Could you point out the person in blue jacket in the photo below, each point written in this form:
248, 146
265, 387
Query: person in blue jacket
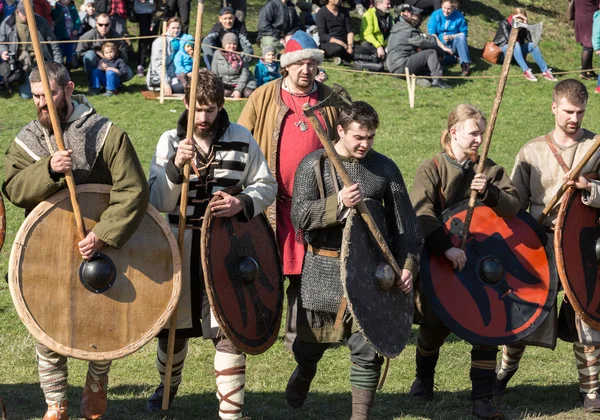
183, 60
596, 40
451, 28
267, 68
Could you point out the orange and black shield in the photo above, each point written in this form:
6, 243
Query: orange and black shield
577, 249
243, 276
508, 285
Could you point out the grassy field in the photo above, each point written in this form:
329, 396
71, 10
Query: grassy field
545, 387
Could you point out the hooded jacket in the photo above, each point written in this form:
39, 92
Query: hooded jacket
403, 42
183, 61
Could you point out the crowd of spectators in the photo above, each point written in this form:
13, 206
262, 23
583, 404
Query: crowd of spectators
390, 39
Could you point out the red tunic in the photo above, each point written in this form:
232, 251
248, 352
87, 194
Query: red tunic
294, 145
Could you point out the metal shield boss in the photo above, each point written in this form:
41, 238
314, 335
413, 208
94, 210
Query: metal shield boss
508, 285
67, 315
381, 311
243, 276
577, 249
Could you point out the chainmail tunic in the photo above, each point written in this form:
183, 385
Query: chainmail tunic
379, 179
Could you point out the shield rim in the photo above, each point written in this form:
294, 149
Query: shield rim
28, 320
451, 323
2, 222
343, 274
569, 198
205, 257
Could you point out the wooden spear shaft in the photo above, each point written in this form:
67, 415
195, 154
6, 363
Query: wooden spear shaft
490, 129
184, 198
572, 177
361, 206
39, 58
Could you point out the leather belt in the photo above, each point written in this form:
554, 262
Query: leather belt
331, 253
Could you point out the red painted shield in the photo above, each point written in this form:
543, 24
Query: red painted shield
244, 279
577, 252
508, 285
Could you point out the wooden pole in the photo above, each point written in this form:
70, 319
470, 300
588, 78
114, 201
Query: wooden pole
184, 198
572, 177
409, 88
490, 129
39, 58
413, 88
163, 67
361, 206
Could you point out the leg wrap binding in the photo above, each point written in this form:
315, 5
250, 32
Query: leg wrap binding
230, 372
52, 368
588, 367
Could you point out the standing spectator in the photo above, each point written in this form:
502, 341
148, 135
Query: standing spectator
409, 47
523, 46
232, 70
171, 82
335, 32
66, 27
90, 51
144, 9
228, 22
180, 8
7, 8
117, 11
277, 22
43, 8
375, 28
267, 68
184, 60
88, 17
239, 6
450, 27
109, 71
15, 29
596, 40
584, 20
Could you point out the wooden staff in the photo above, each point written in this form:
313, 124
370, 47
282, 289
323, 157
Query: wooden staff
490, 129
39, 58
163, 67
184, 198
572, 177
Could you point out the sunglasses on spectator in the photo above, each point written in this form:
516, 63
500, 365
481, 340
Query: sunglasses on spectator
103, 24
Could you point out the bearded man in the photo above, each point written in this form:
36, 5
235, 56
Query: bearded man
541, 168
224, 155
98, 153
274, 115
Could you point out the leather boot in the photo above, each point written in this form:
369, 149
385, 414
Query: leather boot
591, 403
362, 401
93, 404
299, 385
154, 403
57, 411
501, 384
422, 388
484, 409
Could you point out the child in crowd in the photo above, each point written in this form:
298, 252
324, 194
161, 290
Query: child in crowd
109, 72
596, 40
88, 16
66, 26
184, 59
267, 68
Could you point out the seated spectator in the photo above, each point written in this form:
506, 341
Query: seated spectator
184, 59
171, 82
239, 6
523, 46
88, 17
109, 72
7, 8
450, 27
143, 11
232, 70
21, 56
596, 41
227, 23
267, 68
308, 10
277, 22
409, 47
375, 28
66, 27
335, 32
90, 51
43, 8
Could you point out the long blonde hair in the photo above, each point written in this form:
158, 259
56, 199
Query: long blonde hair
459, 115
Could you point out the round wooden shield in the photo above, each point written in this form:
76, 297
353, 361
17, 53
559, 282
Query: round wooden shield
243, 276
383, 316
60, 312
2, 222
508, 285
577, 249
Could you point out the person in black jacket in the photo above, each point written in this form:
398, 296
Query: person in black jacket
335, 32
523, 46
277, 22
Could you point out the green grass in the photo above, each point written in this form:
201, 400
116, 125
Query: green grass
546, 385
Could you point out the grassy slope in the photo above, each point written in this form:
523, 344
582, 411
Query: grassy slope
546, 385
